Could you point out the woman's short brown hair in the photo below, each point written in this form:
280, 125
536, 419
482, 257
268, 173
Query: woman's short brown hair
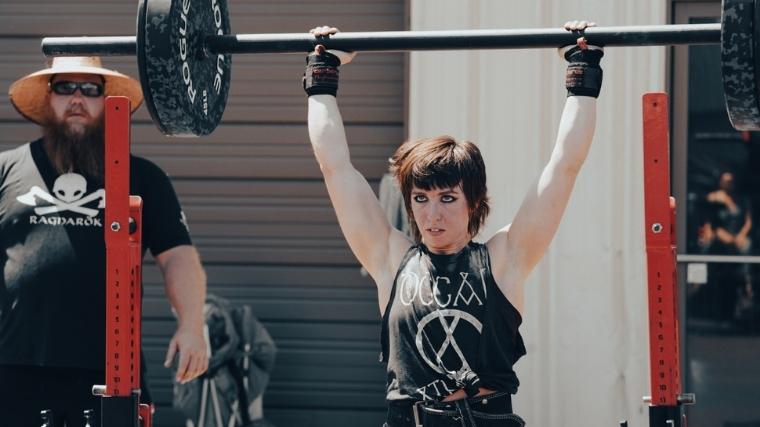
442, 162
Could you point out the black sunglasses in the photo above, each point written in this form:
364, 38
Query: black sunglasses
89, 89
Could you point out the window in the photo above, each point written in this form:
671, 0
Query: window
716, 175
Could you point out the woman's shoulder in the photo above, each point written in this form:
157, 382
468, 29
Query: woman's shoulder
498, 252
400, 249
498, 244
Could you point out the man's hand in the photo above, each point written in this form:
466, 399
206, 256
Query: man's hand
193, 354
185, 283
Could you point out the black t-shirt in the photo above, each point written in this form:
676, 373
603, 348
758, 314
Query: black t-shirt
52, 251
446, 318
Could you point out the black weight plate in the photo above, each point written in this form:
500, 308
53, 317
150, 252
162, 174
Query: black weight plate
185, 88
739, 62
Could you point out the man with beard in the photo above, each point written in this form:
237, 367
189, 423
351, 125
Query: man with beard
52, 249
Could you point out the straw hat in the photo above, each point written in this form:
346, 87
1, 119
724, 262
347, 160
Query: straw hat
30, 94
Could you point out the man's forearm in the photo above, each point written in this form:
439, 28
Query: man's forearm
185, 284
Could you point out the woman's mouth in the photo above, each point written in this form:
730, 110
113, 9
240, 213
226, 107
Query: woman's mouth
435, 231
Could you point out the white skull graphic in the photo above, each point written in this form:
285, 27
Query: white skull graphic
69, 187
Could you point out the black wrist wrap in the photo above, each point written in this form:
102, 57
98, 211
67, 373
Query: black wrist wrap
584, 75
321, 75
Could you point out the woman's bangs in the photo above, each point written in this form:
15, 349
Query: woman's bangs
440, 173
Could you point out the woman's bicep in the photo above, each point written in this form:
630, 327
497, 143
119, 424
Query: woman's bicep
539, 216
361, 218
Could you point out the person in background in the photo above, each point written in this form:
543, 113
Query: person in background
52, 249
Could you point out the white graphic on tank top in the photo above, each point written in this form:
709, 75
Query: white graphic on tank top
68, 195
447, 305
435, 390
432, 353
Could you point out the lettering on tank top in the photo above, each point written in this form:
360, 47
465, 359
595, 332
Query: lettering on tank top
412, 286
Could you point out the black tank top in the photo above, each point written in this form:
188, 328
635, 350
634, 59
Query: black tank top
447, 318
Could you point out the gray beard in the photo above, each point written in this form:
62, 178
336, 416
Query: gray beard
81, 153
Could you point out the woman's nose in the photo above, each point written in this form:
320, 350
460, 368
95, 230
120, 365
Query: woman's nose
435, 211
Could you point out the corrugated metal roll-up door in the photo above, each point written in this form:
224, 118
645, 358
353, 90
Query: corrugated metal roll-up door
254, 197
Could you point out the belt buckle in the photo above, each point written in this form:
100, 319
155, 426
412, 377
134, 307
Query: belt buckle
416, 413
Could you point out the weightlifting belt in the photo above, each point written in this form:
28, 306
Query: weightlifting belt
480, 411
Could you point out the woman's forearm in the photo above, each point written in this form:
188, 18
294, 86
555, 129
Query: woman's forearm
327, 134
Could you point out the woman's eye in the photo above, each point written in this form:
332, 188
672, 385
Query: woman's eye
447, 199
420, 199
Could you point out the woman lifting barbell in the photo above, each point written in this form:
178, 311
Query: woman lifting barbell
451, 307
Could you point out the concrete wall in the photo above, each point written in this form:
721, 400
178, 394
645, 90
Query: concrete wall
586, 313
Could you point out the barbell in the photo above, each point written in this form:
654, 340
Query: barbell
184, 50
